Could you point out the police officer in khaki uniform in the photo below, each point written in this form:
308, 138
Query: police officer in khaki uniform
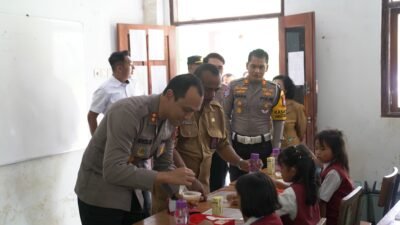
250, 104
203, 134
114, 177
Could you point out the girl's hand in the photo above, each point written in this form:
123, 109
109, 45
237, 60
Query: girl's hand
233, 199
280, 184
197, 186
260, 164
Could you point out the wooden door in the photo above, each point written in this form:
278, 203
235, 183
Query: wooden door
297, 60
152, 49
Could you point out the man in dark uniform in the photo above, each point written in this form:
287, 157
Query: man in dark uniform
250, 104
114, 177
193, 62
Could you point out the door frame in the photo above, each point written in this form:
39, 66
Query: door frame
306, 21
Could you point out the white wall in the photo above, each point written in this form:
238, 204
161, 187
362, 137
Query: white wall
348, 44
41, 191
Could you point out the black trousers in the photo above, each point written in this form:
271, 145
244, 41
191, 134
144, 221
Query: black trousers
93, 215
264, 149
218, 171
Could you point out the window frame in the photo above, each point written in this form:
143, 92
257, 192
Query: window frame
173, 16
389, 55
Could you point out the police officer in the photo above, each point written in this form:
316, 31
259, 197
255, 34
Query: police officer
250, 104
114, 176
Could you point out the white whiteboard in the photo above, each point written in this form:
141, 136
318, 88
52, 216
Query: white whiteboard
43, 88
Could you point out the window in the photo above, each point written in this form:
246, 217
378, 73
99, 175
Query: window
194, 11
152, 50
390, 101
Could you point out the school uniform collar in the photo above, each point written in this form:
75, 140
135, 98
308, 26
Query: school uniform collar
209, 107
326, 165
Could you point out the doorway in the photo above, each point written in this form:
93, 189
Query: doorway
233, 40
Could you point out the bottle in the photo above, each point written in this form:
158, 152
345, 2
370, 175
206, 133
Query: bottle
271, 166
217, 206
254, 167
181, 212
275, 154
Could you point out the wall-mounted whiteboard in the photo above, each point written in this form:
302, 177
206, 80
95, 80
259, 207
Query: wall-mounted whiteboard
43, 88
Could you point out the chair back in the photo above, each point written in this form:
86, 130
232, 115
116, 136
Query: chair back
387, 194
322, 221
349, 213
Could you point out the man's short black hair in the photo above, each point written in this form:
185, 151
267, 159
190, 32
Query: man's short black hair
180, 84
206, 67
214, 55
258, 195
258, 53
117, 57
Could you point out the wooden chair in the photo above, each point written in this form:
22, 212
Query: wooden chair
387, 194
349, 213
322, 221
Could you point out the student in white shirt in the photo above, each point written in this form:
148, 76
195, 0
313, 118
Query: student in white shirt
114, 89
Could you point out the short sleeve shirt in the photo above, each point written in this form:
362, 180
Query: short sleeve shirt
289, 204
330, 184
109, 92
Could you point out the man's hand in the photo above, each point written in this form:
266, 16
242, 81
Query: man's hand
179, 176
197, 186
244, 165
233, 199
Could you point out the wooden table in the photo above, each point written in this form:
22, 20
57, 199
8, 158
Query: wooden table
166, 219
389, 218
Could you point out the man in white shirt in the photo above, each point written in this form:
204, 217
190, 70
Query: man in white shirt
114, 89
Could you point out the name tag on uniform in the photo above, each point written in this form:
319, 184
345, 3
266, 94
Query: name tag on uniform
144, 141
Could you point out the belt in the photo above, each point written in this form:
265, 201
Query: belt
251, 140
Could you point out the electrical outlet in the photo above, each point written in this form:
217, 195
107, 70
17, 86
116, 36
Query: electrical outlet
96, 73
100, 73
